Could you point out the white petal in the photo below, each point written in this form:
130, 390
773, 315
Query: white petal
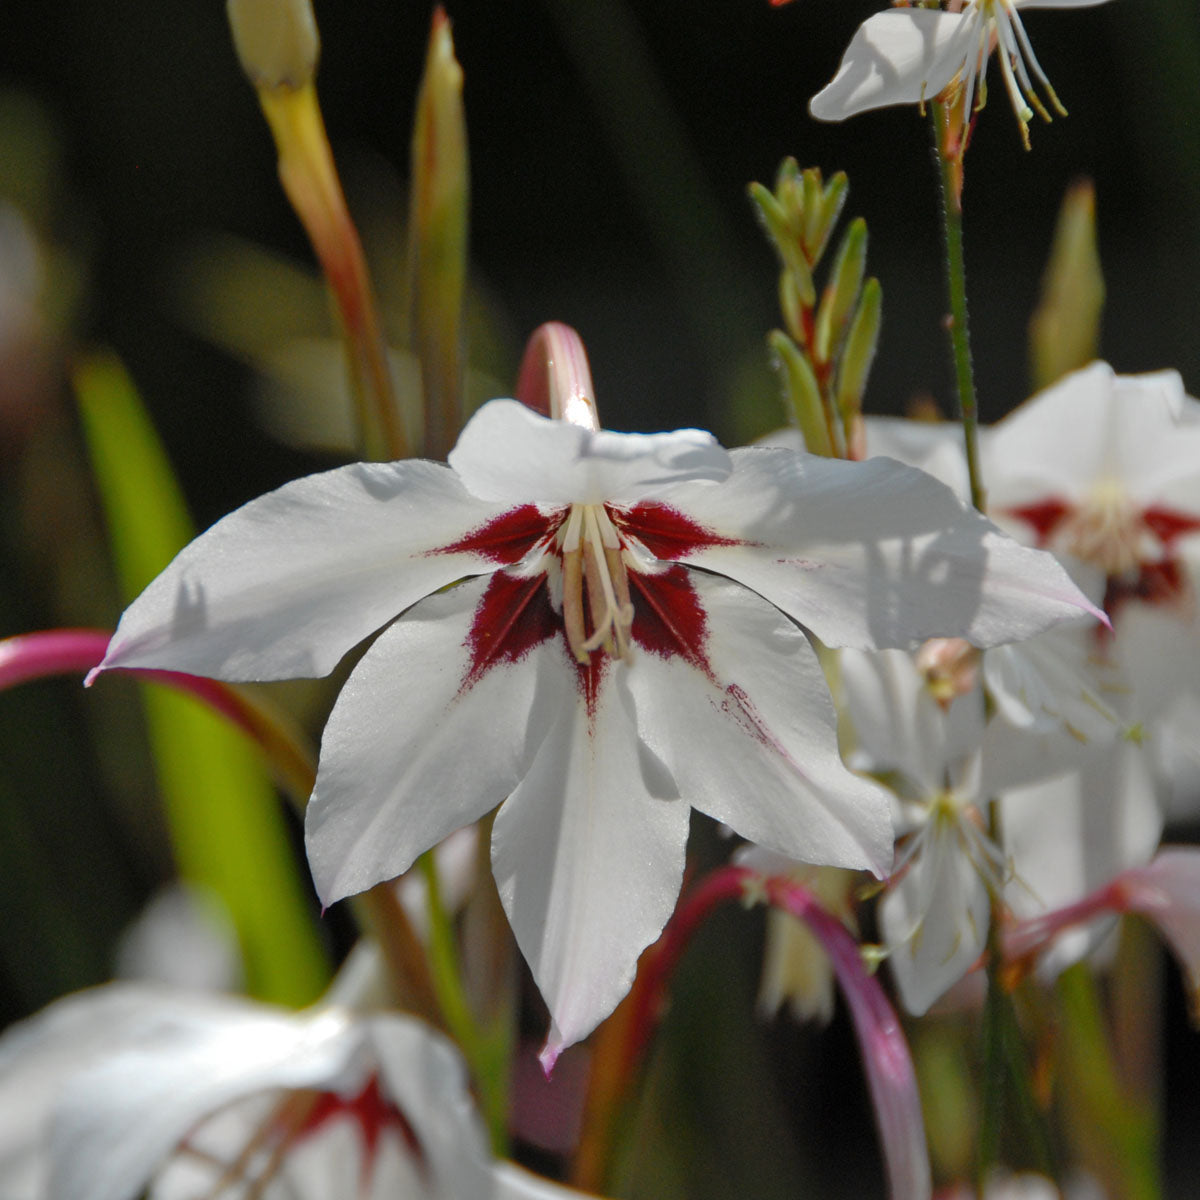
872, 554
897, 723
329, 1161
457, 868
425, 1077
935, 447
124, 1115
750, 735
419, 1073
1053, 445
903, 56
38, 1059
511, 454
288, 583
414, 749
1057, 709
935, 918
1071, 834
1092, 428
1158, 647
1176, 757
588, 854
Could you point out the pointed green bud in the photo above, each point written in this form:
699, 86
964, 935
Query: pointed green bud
276, 41
802, 391
832, 200
841, 292
814, 196
858, 354
438, 237
772, 215
794, 308
781, 231
1064, 332
789, 190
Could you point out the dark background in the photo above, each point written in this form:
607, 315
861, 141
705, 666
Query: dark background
611, 144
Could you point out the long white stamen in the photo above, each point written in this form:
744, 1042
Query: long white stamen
593, 563
1031, 58
975, 68
610, 619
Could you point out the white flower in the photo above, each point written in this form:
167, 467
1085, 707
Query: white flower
1068, 834
934, 914
1104, 470
620, 646
130, 1089
911, 55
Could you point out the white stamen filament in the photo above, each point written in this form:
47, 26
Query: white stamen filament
1105, 531
1019, 66
592, 562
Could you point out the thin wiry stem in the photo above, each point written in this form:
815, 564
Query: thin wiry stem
949, 158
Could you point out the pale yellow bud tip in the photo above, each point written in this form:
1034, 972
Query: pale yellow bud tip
276, 41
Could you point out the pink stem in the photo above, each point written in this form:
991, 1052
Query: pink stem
1028, 937
890, 1074
33, 656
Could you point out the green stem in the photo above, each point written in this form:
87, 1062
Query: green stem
1007, 1092
1116, 1128
486, 1055
1010, 1110
950, 166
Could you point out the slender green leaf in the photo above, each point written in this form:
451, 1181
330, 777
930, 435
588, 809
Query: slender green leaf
227, 830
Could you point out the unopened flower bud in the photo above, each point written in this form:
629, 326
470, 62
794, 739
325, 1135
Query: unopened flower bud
841, 293
803, 393
438, 237
1065, 330
859, 352
276, 41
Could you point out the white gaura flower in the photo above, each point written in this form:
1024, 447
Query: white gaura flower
621, 645
128, 1090
911, 55
934, 913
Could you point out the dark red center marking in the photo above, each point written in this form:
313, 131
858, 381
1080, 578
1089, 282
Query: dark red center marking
1043, 517
1161, 584
373, 1114
513, 616
669, 619
1167, 524
506, 539
665, 532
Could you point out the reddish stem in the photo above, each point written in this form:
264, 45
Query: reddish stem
889, 1067
81, 651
